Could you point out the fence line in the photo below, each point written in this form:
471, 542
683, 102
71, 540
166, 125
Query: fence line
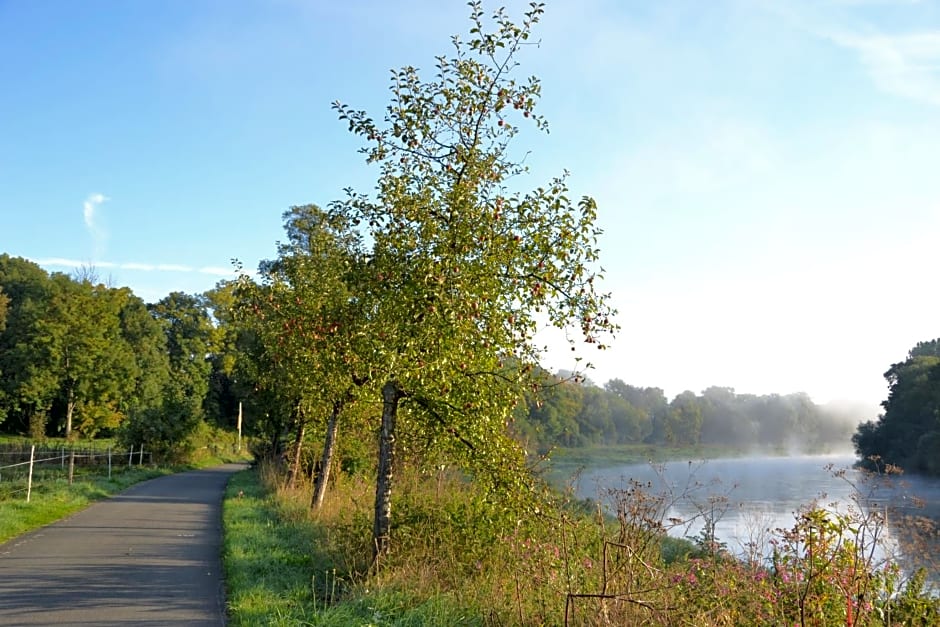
58, 455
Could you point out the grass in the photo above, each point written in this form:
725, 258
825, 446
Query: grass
456, 561
284, 568
267, 557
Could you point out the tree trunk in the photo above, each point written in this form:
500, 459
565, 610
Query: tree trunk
326, 461
69, 410
391, 394
276, 433
298, 448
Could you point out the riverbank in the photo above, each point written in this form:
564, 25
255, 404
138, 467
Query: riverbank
456, 560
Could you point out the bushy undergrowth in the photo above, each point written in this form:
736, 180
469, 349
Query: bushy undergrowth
459, 559
169, 443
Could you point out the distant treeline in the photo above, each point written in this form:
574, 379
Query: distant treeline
907, 434
573, 414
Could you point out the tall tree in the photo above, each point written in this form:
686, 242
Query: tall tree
305, 315
551, 413
633, 415
684, 420
650, 402
107, 389
26, 388
595, 416
221, 404
463, 269
4, 301
66, 360
146, 340
190, 336
907, 434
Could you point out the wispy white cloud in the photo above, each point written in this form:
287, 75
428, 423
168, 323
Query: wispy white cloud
902, 59
59, 262
145, 267
173, 267
92, 222
215, 270
906, 65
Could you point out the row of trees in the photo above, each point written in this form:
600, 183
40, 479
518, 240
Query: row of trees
421, 301
81, 358
580, 414
907, 434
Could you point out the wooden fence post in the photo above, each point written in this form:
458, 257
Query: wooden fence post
239, 449
140, 458
130, 457
109, 463
29, 482
71, 466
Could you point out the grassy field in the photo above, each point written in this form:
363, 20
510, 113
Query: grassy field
286, 566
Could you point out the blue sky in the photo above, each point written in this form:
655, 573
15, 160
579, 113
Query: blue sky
766, 170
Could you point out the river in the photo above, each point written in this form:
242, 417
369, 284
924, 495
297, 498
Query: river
747, 499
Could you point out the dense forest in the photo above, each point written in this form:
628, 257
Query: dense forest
907, 433
79, 358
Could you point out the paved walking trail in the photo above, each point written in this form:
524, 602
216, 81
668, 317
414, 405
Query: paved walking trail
147, 556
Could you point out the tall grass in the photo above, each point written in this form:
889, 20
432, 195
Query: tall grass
459, 559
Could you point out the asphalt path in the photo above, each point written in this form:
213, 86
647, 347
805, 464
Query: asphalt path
147, 556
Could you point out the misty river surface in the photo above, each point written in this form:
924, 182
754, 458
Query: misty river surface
750, 497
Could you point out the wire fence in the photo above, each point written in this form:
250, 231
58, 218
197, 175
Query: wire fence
23, 466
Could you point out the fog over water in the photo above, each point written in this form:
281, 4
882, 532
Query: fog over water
750, 497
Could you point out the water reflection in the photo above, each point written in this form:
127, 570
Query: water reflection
748, 499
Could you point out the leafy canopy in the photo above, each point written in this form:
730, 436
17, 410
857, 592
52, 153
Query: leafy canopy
465, 268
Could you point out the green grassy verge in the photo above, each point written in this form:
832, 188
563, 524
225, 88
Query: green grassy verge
277, 571
267, 560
